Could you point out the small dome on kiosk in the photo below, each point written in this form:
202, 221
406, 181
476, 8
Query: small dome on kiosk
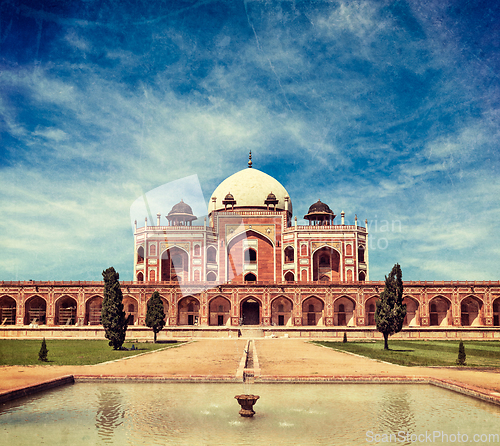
181, 215
320, 214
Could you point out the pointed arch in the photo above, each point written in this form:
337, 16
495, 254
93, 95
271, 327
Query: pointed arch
35, 310
140, 254
326, 263
440, 311
251, 311
281, 311
175, 264
66, 307
131, 308
412, 318
250, 251
93, 308
344, 311
370, 307
211, 254
471, 309
250, 277
361, 253
188, 311
289, 253
496, 312
219, 309
7, 310
211, 276
312, 311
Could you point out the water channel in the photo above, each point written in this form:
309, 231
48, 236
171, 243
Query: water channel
207, 414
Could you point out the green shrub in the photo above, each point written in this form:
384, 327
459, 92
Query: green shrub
42, 354
461, 354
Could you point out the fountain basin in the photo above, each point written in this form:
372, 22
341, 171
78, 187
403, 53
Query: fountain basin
187, 414
247, 402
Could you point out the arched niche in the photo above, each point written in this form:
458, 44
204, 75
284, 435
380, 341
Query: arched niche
348, 249
312, 311
361, 254
496, 312
344, 312
35, 310
219, 312
188, 311
66, 308
250, 256
289, 276
93, 308
250, 252
140, 254
174, 265
281, 311
7, 310
412, 318
251, 310
152, 275
140, 277
439, 312
131, 308
326, 265
289, 254
211, 254
362, 276
471, 311
370, 307
211, 277
250, 277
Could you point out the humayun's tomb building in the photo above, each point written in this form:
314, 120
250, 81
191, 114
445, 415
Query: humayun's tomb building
250, 266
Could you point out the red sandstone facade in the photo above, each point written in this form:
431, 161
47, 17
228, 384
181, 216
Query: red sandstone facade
250, 263
434, 304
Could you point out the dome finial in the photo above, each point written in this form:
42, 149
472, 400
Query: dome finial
250, 160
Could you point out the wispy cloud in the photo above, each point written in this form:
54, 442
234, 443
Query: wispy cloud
387, 111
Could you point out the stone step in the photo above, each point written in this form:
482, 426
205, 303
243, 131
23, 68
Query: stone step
250, 333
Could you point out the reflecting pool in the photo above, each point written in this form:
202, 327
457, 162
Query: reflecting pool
207, 414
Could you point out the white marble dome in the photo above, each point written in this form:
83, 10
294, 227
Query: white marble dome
250, 188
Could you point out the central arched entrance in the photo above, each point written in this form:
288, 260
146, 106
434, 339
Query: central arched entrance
250, 312
174, 265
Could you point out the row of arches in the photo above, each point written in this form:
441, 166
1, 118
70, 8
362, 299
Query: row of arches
439, 311
174, 263
65, 311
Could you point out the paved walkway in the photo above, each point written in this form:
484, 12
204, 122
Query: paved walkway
220, 359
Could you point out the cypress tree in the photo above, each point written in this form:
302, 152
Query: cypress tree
112, 314
155, 315
461, 354
345, 337
42, 354
391, 312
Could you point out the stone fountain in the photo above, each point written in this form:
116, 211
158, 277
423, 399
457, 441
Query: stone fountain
246, 402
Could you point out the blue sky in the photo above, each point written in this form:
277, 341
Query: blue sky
384, 109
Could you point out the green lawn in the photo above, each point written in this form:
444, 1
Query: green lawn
425, 353
68, 352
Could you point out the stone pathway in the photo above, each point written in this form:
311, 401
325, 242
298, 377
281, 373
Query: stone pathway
272, 360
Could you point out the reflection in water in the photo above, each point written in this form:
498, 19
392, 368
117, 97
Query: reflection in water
207, 414
110, 411
396, 416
